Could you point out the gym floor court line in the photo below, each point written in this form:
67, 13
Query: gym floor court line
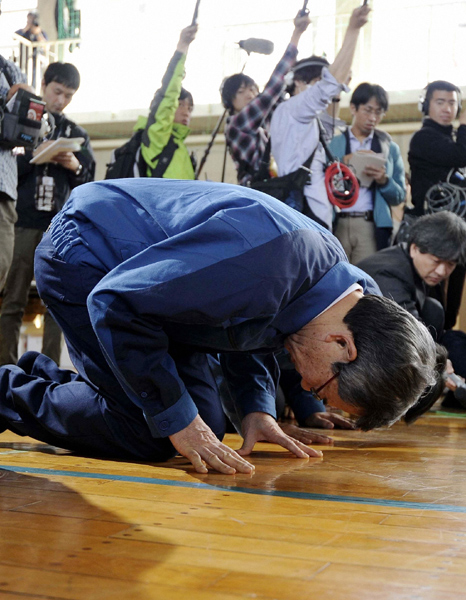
383, 515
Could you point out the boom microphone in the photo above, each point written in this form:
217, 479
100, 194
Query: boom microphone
256, 45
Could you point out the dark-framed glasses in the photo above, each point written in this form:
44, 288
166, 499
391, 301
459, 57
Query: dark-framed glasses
315, 392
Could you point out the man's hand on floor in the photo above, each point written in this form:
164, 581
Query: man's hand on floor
198, 443
261, 427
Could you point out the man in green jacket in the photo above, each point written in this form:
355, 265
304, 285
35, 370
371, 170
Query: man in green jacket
167, 126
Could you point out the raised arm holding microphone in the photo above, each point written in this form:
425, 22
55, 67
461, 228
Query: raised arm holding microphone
294, 127
167, 126
247, 127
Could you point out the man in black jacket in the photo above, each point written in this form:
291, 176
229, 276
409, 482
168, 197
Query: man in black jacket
410, 274
437, 149
42, 191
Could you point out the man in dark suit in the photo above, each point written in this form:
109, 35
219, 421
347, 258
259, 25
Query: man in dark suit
415, 273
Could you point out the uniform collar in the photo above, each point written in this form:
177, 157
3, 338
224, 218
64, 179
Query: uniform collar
318, 298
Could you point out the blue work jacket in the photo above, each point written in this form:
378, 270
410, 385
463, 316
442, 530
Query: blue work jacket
221, 268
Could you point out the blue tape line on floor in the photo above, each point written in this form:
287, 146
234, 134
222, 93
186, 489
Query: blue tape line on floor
240, 490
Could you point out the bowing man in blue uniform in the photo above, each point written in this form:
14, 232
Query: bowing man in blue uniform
147, 278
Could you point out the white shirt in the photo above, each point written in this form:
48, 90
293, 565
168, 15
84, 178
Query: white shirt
295, 135
353, 288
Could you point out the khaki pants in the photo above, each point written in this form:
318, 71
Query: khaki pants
357, 236
15, 298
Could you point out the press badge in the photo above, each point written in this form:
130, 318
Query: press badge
45, 188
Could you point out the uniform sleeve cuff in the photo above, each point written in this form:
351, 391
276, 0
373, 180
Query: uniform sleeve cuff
174, 419
305, 408
260, 403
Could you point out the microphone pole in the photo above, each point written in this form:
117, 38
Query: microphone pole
210, 144
196, 11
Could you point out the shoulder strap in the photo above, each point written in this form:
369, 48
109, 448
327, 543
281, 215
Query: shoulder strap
381, 142
164, 158
330, 157
263, 171
347, 141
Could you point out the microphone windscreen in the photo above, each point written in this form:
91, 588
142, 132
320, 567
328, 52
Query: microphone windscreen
257, 45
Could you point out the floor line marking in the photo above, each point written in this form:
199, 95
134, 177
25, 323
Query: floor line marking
239, 490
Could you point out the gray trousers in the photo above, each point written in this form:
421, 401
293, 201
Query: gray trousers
15, 298
8, 219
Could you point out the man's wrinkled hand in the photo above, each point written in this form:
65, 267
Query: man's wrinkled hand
261, 427
198, 443
328, 420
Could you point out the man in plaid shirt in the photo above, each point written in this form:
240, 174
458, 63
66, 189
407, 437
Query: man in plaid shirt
247, 127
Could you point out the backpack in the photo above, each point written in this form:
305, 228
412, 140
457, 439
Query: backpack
127, 161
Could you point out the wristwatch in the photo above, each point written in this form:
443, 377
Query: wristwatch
79, 170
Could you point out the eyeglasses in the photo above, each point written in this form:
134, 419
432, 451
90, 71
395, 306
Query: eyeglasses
368, 110
315, 392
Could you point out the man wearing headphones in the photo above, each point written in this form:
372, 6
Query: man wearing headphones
436, 149
294, 128
436, 153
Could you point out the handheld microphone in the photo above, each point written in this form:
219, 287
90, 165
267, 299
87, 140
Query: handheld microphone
256, 45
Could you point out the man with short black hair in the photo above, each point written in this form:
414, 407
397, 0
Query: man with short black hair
410, 272
42, 191
147, 277
367, 226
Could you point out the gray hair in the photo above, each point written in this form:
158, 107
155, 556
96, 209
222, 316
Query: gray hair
395, 364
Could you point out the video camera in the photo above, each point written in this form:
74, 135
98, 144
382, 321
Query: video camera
21, 120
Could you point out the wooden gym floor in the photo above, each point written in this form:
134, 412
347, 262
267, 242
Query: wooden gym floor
382, 516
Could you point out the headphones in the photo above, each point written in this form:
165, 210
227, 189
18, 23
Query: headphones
312, 62
423, 103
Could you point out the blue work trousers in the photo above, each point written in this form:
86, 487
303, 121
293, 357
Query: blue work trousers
88, 411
